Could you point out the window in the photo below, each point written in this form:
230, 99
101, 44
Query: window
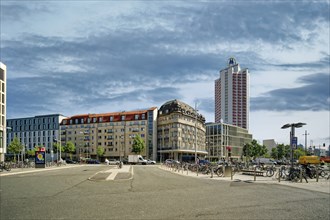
136, 117
100, 119
123, 117
94, 120
111, 118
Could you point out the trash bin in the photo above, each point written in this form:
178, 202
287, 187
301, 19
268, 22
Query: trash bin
227, 172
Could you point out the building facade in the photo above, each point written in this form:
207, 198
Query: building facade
114, 132
222, 138
232, 95
37, 131
270, 144
3, 96
180, 132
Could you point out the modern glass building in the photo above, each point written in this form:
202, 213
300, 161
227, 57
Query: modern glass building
37, 131
222, 138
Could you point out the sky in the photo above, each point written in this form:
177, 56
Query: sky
79, 57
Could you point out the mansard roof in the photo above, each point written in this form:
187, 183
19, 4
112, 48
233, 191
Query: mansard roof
180, 107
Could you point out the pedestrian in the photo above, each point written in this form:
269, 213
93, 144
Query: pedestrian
107, 161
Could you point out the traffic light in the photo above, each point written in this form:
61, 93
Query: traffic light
229, 152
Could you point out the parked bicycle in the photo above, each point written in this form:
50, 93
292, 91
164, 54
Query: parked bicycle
5, 166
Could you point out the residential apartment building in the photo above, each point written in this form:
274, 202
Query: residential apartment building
232, 96
222, 138
114, 132
3, 96
37, 131
180, 132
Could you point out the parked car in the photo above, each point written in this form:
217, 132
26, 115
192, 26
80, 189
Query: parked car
204, 162
325, 159
93, 161
114, 162
151, 161
125, 160
171, 161
69, 161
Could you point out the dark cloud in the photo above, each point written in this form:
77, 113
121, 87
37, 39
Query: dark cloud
149, 58
314, 95
13, 11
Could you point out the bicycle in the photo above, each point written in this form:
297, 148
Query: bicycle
5, 166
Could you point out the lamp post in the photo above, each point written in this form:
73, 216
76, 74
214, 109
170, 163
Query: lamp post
306, 140
292, 135
196, 132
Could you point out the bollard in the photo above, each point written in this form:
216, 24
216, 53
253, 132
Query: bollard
211, 171
197, 170
223, 171
279, 175
300, 175
317, 173
255, 173
231, 173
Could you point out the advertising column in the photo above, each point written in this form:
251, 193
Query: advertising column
40, 158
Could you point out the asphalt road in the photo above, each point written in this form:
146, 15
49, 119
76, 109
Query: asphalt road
152, 193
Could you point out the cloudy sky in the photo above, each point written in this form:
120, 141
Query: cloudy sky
77, 57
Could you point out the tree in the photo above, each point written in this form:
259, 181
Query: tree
283, 151
138, 144
254, 149
69, 148
15, 147
100, 151
57, 146
274, 153
299, 152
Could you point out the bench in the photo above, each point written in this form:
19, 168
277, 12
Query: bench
251, 172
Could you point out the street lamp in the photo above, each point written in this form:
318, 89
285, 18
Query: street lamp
292, 135
306, 140
195, 135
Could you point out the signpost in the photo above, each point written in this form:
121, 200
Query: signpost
294, 142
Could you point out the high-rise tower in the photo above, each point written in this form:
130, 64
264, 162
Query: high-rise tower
3, 95
232, 95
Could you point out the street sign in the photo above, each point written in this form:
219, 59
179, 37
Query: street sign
294, 142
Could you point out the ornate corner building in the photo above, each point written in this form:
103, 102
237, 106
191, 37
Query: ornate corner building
180, 132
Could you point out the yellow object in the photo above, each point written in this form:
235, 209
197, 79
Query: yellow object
309, 160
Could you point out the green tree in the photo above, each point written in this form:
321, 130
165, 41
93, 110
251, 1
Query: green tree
254, 150
69, 148
15, 147
274, 153
100, 151
57, 146
138, 144
299, 152
283, 151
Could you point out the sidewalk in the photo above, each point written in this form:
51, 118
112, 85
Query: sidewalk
322, 185
113, 173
